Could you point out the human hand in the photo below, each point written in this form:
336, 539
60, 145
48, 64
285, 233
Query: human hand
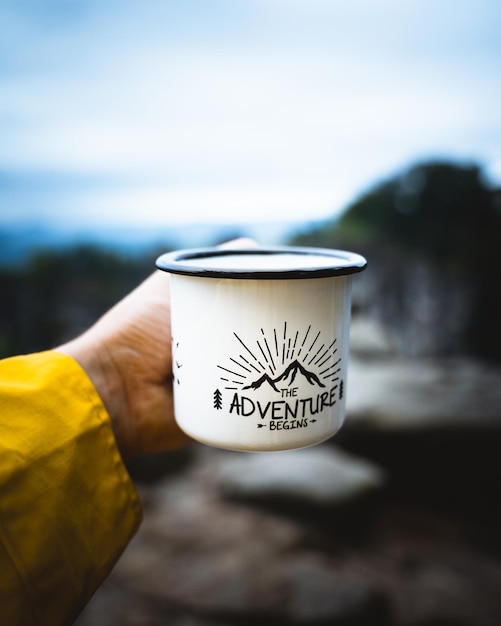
127, 355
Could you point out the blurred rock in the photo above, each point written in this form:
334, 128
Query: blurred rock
318, 593
398, 394
434, 426
201, 559
200, 555
434, 573
321, 476
370, 340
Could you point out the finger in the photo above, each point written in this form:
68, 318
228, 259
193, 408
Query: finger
239, 244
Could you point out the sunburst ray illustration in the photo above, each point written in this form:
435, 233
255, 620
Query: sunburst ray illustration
281, 357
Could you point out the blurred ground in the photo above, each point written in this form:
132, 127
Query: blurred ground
393, 522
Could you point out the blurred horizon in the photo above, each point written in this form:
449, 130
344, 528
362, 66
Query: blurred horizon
124, 115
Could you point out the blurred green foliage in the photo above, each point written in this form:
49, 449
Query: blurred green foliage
443, 215
57, 294
443, 210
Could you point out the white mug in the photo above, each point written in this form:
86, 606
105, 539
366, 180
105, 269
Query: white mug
260, 342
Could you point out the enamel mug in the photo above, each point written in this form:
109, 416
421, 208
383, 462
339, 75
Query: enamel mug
260, 341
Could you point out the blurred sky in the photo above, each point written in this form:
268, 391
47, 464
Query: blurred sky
146, 112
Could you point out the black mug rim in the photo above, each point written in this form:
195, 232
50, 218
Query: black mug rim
333, 262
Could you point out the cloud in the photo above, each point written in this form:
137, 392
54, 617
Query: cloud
261, 99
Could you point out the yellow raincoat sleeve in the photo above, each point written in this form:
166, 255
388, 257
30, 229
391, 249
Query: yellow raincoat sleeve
67, 505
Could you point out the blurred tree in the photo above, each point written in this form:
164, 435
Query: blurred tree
439, 223
59, 293
442, 210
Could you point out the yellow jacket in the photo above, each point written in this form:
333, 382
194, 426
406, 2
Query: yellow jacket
67, 505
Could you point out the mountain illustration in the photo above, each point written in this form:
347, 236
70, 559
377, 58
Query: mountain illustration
292, 371
260, 381
287, 376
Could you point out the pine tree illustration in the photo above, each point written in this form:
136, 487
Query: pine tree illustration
218, 400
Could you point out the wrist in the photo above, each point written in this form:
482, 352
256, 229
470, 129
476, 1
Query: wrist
100, 368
